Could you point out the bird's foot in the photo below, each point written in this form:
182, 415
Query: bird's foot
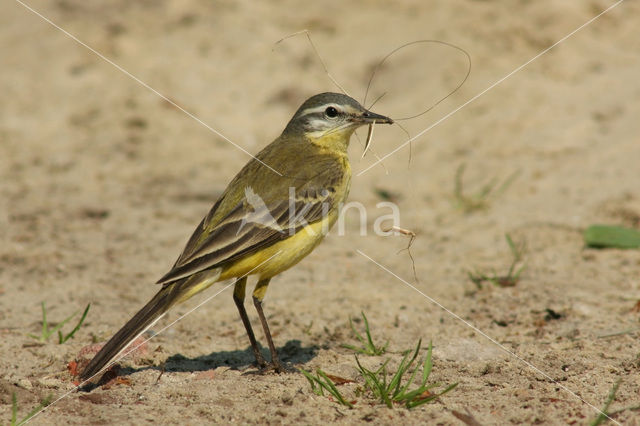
275, 367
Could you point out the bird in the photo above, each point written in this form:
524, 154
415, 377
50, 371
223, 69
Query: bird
272, 214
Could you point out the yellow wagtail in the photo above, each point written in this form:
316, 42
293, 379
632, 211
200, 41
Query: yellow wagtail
264, 222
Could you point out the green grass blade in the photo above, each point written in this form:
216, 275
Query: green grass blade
36, 410
415, 403
355, 349
61, 324
377, 382
516, 277
372, 379
391, 388
404, 366
606, 236
45, 402
610, 398
404, 389
370, 344
322, 382
512, 246
507, 182
417, 392
14, 408
312, 381
369, 376
45, 326
76, 328
486, 189
383, 389
358, 335
428, 365
332, 389
383, 367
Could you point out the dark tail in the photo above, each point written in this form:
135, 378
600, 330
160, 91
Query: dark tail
137, 325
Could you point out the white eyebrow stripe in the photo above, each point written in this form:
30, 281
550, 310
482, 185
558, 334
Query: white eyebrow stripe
346, 108
321, 108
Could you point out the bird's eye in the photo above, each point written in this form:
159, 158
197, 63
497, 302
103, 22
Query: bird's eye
331, 112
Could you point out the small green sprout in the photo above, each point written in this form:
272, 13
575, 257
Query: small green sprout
36, 410
513, 275
368, 347
480, 200
47, 332
320, 382
605, 414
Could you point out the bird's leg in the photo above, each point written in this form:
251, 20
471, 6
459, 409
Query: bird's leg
238, 297
258, 296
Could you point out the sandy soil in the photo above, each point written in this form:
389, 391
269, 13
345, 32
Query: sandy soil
102, 182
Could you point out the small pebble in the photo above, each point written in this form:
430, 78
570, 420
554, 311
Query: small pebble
49, 382
25, 384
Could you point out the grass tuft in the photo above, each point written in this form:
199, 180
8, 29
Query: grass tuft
479, 200
390, 389
406, 386
513, 274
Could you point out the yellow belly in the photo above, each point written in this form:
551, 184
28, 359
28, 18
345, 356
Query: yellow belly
283, 255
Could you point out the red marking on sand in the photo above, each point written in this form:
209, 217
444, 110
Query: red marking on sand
115, 381
339, 380
424, 395
85, 355
73, 368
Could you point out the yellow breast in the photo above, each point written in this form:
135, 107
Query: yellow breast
283, 255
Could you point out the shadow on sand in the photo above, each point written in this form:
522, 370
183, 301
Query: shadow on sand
291, 353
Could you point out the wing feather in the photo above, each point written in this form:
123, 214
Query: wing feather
245, 229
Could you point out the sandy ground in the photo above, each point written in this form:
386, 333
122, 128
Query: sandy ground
102, 182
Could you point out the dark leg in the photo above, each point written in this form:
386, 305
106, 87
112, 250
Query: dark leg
238, 297
258, 296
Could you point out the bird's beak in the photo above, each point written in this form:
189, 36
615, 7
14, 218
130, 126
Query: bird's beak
371, 118
368, 117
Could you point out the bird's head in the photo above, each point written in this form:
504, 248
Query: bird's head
331, 115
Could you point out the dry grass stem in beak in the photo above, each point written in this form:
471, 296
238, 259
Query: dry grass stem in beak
369, 137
